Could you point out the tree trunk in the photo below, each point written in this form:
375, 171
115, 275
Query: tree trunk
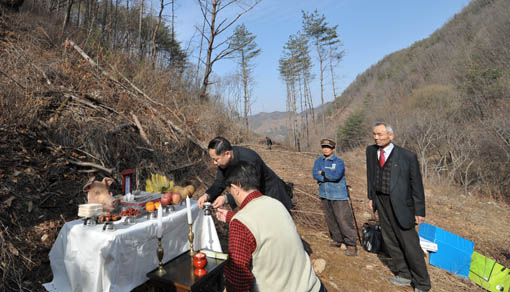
140, 30
115, 23
79, 14
208, 63
68, 15
332, 71
200, 51
321, 68
155, 32
245, 90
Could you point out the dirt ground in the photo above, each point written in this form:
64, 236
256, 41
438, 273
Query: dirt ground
478, 219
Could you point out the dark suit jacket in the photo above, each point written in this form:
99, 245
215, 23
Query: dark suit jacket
406, 187
270, 184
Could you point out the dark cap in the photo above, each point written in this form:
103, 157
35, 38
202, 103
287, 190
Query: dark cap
328, 143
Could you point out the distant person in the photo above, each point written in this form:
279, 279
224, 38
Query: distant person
395, 191
269, 143
329, 172
265, 251
224, 155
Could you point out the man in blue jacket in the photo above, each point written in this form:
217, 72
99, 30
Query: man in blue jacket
329, 172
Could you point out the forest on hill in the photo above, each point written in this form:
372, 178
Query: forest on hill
91, 88
447, 98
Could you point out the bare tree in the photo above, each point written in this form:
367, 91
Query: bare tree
140, 43
316, 28
155, 31
245, 50
210, 11
294, 67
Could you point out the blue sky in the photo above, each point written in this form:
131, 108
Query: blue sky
369, 30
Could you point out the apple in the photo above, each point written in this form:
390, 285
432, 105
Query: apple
176, 198
166, 199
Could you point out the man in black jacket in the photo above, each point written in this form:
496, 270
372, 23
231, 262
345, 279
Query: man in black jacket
225, 155
395, 190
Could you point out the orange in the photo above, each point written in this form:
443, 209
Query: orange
149, 206
157, 204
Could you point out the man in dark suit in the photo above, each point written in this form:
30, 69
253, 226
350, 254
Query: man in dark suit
395, 190
224, 155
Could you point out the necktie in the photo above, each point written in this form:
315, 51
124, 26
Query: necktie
382, 160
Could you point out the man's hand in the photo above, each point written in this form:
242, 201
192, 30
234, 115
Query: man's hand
204, 198
370, 205
321, 172
221, 214
419, 220
219, 202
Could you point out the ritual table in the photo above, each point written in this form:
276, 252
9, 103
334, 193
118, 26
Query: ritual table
86, 258
179, 276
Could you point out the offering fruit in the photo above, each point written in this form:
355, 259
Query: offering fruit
185, 193
109, 217
156, 205
177, 189
166, 199
176, 198
158, 184
129, 212
191, 189
149, 206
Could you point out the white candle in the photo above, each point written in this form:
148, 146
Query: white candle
160, 222
188, 207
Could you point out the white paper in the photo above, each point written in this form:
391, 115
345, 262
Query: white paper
208, 236
188, 209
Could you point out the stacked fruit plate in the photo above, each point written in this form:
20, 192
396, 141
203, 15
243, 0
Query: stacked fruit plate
89, 210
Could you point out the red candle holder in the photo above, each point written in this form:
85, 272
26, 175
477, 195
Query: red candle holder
199, 260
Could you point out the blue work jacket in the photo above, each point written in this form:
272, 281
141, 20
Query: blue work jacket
332, 185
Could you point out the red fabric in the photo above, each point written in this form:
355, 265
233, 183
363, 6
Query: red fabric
229, 216
241, 245
382, 159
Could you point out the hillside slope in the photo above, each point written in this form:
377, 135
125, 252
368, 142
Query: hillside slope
447, 98
482, 221
72, 110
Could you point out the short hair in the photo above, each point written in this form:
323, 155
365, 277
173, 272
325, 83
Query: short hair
243, 174
389, 129
220, 145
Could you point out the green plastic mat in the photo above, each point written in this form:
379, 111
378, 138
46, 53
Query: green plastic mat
488, 274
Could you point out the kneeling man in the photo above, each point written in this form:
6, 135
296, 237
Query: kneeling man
265, 249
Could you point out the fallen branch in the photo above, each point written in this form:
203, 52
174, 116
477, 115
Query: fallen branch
183, 166
13, 80
140, 129
89, 59
90, 164
308, 212
305, 193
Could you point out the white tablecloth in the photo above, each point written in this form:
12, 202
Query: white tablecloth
85, 258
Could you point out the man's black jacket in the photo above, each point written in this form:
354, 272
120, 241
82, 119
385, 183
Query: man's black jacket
270, 184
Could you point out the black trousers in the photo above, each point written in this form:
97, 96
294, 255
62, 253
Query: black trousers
340, 221
403, 246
